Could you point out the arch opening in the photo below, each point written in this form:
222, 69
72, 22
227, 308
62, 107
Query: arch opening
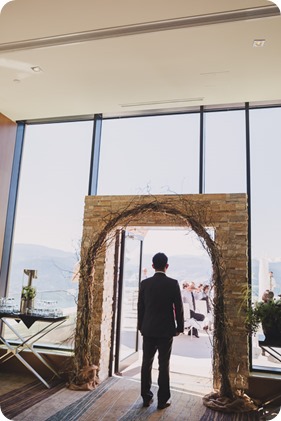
190, 363
104, 216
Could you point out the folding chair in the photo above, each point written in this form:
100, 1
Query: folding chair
190, 322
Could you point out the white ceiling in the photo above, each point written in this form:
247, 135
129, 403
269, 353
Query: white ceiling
95, 61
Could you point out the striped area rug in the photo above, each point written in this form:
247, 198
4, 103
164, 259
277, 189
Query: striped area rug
219, 416
18, 400
74, 411
119, 399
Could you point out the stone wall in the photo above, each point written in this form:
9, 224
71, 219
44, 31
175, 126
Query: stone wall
226, 213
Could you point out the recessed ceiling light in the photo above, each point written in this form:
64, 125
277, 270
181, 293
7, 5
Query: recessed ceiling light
258, 42
36, 69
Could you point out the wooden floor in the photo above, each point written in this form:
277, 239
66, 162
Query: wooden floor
12, 381
118, 399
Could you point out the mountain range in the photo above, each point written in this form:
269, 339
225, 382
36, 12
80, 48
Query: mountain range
56, 269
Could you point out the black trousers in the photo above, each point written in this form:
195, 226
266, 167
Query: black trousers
164, 348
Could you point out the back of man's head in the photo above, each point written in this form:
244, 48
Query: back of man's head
159, 261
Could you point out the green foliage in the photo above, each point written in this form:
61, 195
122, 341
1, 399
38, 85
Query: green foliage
268, 314
28, 293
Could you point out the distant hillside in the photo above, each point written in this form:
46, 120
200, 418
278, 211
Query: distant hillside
185, 267
199, 269
55, 268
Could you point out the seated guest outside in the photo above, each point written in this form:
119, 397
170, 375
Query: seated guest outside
267, 296
192, 294
184, 290
206, 296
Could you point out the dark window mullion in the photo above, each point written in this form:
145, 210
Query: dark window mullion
11, 210
201, 153
95, 156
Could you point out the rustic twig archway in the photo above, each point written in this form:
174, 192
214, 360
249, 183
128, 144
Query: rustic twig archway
182, 208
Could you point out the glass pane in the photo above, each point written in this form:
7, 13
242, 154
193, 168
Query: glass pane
225, 149
188, 260
158, 155
265, 215
48, 226
128, 335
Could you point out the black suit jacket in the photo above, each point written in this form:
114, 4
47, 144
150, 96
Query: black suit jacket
160, 308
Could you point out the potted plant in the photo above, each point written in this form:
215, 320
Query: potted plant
268, 315
28, 294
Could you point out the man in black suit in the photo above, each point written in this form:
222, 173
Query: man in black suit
160, 318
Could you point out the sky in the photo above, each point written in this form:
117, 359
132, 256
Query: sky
173, 242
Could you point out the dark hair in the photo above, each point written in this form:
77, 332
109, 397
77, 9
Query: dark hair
159, 261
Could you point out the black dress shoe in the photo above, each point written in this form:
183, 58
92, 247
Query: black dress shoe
146, 404
163, 405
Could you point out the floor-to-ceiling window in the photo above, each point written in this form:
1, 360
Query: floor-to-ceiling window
265, 135
157, 155
225, 152
129, 164
140, 155
48, 225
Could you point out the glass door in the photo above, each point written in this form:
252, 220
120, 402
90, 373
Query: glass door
127, 337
